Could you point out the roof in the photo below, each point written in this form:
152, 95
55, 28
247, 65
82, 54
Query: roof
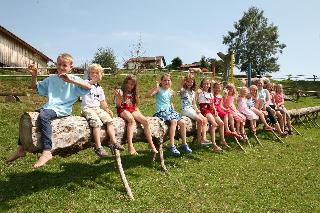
194, 65
23, 43
146, 59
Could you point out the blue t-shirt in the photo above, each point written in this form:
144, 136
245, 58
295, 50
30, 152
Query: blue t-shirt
61, 95
163, 100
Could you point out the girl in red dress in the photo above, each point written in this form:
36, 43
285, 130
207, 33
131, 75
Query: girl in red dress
127, 108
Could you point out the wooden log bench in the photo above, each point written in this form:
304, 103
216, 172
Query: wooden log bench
305, 116
72, 134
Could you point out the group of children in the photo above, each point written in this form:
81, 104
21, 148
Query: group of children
64, 89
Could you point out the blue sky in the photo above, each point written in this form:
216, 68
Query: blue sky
184, 28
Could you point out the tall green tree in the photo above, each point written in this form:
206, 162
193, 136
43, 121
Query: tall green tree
255, 41
106, 58
176, 63
204, 62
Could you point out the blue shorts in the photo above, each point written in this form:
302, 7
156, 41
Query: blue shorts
167, 115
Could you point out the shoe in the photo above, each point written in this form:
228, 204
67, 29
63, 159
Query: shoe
205, 143
290, 132
174, 151
101, 152
186, 148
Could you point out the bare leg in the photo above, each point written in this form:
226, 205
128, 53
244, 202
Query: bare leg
131, 123
143, 120
213, 126
96, 136
172, 131
44, 158
280, 120
231, 121
183, 131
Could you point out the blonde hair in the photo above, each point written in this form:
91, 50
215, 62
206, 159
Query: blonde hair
164, 75
254, 87
278, 86
66, 56
244, 90
231, 86
95, 67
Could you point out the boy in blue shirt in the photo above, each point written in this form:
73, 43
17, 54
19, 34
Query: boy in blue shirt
62, 90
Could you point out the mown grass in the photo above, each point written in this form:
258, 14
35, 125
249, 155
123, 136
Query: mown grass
273, 178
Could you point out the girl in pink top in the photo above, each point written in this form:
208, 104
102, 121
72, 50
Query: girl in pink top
244, 109
223, 113
239, 118
279, 106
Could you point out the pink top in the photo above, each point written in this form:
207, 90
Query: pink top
217, 100
278, 98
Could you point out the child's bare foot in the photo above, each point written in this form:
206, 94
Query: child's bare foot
216, 148
132, 151
268, 128
44, 158
153, 149
19, 153
224, 145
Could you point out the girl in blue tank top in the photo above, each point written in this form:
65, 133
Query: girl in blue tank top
165, 111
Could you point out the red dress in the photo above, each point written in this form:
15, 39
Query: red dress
127, 104
206, 103
217, 103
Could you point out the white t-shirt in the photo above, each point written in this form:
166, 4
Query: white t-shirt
205, 97
94, 98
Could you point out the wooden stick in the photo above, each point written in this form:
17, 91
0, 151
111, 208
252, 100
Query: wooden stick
122, 175
239, 144
163, 166
257, 139
295, 130
277, 136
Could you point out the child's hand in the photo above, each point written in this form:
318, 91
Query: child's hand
157, 83
110, 112
33, 69
65, 78
226, 91
118, 93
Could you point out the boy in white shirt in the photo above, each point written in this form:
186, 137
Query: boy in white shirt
90, 109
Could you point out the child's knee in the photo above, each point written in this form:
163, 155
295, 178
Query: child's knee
181, 123
131, 121
95, 123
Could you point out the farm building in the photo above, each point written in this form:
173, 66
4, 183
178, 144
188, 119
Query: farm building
188, 66
145, 63
14, 52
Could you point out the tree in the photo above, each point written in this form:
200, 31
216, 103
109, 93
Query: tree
204, 62
106, 58
176, 63
255, 41
219, 65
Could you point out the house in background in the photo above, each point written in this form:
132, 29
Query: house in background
145, 63
187, 66
14, 52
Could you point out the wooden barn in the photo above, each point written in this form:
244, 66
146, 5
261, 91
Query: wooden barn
14, 52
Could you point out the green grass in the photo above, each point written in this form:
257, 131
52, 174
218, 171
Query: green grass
273, 178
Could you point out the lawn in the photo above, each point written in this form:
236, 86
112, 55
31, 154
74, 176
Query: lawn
273, 178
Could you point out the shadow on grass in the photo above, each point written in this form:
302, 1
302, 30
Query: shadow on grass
72, 176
